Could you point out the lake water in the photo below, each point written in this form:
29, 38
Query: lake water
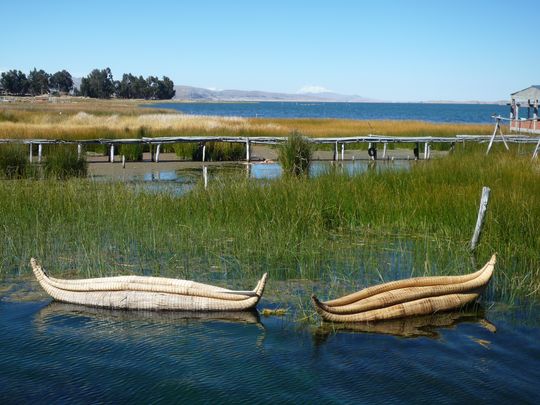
60, 353
459, 113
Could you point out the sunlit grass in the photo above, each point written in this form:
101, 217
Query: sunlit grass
345, 231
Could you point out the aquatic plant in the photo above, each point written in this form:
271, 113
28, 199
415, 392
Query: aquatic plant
215, 151
345, 231
62, 162
295, 154
13, 161
133, 152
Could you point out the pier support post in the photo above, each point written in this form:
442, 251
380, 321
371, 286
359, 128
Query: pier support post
480, 220
205, 176
385, 144
30, 156
158, 147
123, 161
79, 151
204, 153
111, 153
248, 150
426, 151
336, 156
39, 152
342, 151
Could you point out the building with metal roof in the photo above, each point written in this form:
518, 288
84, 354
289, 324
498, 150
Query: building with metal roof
524, 110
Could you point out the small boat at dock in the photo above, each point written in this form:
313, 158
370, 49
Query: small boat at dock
405, 298
148, 293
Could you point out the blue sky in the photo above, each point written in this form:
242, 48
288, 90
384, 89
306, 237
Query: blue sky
388, 50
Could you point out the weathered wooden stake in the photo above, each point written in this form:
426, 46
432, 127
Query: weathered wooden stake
158, 147
204, 152
123, 161
30, 157
480, 220
426, 151
497, 128
79, 151
248, 151
336, 152
39, 152
385, 144
205, 176
342, 151
535, 153
111, 154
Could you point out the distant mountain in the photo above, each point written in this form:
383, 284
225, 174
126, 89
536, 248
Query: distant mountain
189, 93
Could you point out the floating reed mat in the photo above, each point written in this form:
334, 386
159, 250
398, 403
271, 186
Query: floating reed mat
404, 298
148, 293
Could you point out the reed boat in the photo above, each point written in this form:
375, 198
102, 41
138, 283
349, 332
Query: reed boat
405, 298
148, 293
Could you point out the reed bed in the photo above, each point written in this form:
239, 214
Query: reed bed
82, 119
346, 231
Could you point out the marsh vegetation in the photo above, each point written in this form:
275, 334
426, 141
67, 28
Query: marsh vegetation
335, 232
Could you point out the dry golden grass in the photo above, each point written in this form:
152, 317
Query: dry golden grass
79, 118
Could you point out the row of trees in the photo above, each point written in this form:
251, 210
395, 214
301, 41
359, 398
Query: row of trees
36, 83
98, 84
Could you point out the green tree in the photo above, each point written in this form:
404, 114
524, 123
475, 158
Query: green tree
38, 82
14, 82
61, 81
126, 87
152, 84
98, 84
165, 89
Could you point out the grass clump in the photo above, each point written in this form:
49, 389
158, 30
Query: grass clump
63, 162
295, 154
215, 151
133, 152
13, 161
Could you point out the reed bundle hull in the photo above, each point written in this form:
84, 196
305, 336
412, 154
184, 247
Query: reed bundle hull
148, 293
405, 298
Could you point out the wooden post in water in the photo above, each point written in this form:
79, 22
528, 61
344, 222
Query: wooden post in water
385, 144
426, 151
248, 151
123, 161
342, 151
204, 153
39, 152
30, 157
336, 151
480, 220
158, 147
79, 151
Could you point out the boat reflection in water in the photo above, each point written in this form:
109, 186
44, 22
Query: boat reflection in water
98, 320
425, 326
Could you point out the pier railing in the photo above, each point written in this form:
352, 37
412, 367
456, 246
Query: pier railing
339, 143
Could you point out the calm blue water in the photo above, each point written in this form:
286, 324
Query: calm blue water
465, 113
59, 353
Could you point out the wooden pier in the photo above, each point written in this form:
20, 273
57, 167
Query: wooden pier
340, 143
